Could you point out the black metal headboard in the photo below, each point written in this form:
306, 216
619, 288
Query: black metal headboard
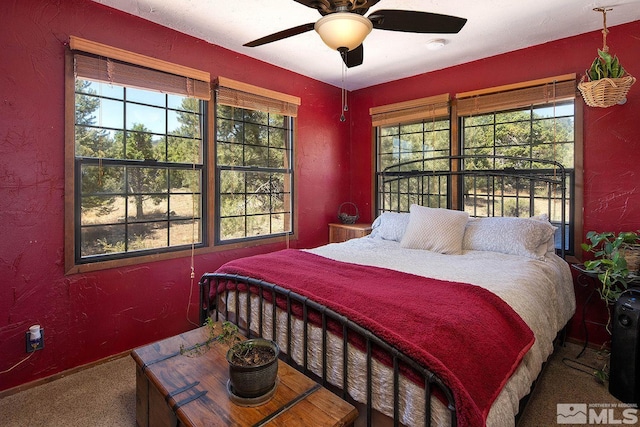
482, 185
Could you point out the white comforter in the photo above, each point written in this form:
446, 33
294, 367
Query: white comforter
541, 292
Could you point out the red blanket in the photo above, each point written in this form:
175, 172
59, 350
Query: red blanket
467, 335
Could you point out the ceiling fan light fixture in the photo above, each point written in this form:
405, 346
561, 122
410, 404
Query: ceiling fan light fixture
343, 30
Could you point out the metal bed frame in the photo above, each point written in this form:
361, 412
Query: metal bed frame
414, 185
430, 380
449, 182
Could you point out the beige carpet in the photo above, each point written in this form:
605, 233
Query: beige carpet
102, 396
105, 395
566, 381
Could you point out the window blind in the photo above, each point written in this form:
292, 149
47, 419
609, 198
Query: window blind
97, 62
242, 95
537, 92
429, 108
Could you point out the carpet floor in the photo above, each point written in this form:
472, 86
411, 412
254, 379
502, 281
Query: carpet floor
105, 395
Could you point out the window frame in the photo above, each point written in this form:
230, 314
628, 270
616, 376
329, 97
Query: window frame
238, 94
575, 196
289, 130
544, 91
380, 204
208, 180
74, 261
430, 109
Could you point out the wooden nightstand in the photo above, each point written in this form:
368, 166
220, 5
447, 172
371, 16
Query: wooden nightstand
343, 232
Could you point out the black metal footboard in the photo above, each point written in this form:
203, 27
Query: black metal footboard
314, 315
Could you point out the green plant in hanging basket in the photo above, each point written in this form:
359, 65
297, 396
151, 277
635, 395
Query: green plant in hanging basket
605, 66
607, 81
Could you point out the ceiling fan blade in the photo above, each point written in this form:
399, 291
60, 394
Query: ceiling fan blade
313, 4
281, 35
416, 22
353, 57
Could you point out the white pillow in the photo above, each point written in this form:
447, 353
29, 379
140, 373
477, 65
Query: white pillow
509, 235
390, 226
551, 243
435, 229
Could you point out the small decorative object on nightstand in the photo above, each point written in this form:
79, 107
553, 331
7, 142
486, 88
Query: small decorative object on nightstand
348, 218
343, 232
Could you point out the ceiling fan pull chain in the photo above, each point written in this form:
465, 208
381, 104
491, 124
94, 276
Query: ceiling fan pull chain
343, 91
344, 79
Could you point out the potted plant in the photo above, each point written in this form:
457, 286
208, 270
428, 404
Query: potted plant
253, 363
253, 368
605, 66
227, 336
607, 82
611, 251
610, 265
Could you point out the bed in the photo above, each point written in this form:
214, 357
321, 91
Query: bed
436, 318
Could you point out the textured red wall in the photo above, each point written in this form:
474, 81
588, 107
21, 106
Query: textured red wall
611, 135
87, 317
90, 316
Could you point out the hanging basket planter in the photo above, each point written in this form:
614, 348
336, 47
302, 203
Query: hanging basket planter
606, 82
606, 92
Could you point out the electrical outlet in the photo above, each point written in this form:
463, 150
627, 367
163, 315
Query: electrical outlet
39, 344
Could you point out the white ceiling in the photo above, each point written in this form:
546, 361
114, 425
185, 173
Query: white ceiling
493, 27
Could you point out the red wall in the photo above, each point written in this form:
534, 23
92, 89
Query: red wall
611, 135
87, 317
90, 316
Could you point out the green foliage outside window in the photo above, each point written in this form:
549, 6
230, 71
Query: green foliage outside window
140, 159
413, 142
543, 132
254, 173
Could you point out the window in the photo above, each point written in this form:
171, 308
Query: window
147, 178
537, 120
407, 134
138, 148
543, 132
254, 162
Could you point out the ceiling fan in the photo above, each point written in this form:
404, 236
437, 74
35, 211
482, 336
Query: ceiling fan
343, 26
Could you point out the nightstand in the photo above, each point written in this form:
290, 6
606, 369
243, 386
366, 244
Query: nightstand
343, 232
589, 279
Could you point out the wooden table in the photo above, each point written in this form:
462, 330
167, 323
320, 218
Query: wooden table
343, 232
174, 389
